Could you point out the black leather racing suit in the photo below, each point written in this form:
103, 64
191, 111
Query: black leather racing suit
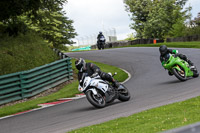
99, 36
173, 51
92, 69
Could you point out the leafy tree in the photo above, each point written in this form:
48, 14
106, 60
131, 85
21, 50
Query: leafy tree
54, 27
196, 21
139, 10
194, 27
179, 29
13, 8
43, 16
130, 37
154, 18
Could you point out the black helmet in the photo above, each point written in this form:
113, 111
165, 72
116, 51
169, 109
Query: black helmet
80, 64
163, 49
100, 32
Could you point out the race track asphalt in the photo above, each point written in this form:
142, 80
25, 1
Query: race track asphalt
150, 86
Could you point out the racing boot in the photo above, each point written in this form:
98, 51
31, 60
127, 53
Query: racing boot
116, 84
108, 77
192, 68
191, 65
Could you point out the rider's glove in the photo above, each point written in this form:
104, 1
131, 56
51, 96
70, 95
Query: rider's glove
175, 55
94, 75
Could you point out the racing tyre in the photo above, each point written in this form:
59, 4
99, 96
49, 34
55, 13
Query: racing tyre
179, 75
124, 94
98, 46
97, 101
102, 46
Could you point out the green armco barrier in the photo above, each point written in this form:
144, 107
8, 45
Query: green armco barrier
25, 84
83, 48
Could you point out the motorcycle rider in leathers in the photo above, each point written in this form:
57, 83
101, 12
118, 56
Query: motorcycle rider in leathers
99, 36
164, 55
92, 70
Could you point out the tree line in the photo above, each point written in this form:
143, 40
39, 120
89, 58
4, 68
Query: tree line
46, 17
161, 18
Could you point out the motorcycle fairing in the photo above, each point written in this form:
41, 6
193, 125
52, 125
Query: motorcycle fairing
100, 84
175, 62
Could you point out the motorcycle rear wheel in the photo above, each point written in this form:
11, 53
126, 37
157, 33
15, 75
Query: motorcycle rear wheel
97, 101
98, 46
178, 75
124, 94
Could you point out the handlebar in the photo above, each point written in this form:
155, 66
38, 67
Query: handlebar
114, 74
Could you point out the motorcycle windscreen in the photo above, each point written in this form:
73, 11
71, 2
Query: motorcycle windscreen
102, 39
167, 56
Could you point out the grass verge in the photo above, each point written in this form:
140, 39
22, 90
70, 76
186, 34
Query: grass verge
24, 52
68, 91
151, 121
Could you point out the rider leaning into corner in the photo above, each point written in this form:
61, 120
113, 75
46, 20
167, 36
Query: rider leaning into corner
164, 53
100, 35
92, 70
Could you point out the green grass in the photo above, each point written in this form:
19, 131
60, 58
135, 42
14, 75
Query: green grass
151, 121
171, 44
68, 91
121, 75
24, 52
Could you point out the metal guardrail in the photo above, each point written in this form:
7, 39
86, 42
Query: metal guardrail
25, 84
127, 43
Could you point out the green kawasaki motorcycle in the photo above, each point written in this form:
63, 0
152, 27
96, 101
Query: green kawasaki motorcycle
179, 67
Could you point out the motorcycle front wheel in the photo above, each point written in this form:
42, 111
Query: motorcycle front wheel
180, 75
102, 46
98, 46
97, 101
124, 94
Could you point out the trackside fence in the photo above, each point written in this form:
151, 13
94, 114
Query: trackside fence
25, 84
149, 41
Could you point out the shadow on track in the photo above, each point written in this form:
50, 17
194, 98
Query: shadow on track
92, 108
170, 82
176, 81
84, 109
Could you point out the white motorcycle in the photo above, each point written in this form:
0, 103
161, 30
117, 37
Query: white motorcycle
100, 92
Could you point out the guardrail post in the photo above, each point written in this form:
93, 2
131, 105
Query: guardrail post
69, 69
21, 84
